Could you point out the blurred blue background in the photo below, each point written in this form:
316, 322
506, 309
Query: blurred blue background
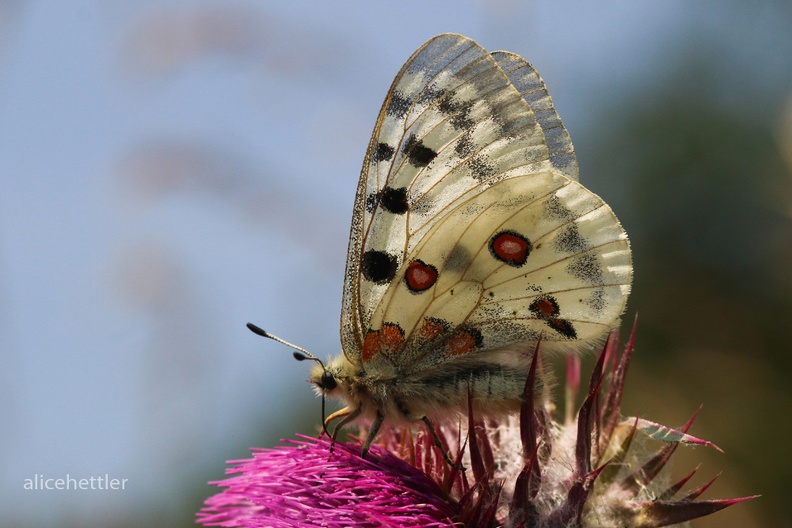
172, 170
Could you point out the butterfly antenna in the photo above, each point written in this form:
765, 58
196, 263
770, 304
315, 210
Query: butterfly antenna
300, 355
304, 354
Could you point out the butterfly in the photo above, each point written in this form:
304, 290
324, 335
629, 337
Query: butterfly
471, 239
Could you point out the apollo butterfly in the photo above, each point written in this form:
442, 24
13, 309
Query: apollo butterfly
471, 238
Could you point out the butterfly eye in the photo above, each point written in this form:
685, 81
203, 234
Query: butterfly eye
328, 381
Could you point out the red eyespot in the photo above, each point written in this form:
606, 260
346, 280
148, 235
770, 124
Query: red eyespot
510, 248
420, 276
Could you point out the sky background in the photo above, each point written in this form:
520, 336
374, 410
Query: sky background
172, 170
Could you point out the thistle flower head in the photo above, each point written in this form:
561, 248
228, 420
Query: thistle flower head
303, 483
592, 468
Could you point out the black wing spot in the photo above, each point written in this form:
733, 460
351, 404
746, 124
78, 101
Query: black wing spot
563, 327
448, 105
556, 210
596, 301
570, 240
394, 200
372, 201
586, 268
430, 94
464, 340
546, 308
510, 247
378, 267
462, 119
458, 111
420, 276
481, 167
464, 145
418, 154
383, 152
398, 105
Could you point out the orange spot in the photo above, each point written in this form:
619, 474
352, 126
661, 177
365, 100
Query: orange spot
462, 343
391, 337
371, 345
430, 329
544, 307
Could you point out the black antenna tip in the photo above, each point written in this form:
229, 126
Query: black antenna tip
256, 330
299, 356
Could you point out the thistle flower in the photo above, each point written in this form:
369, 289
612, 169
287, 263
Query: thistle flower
591, 469
303, 483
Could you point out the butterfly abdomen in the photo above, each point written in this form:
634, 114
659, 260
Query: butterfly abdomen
494, 390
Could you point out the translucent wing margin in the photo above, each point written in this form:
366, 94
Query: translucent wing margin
528, 82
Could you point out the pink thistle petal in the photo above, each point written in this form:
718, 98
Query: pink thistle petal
304, 484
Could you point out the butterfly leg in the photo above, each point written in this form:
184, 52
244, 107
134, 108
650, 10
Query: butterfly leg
439, 445
375, 425
346, 414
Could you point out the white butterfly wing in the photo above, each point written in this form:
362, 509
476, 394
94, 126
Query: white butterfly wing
457, 187
421, 158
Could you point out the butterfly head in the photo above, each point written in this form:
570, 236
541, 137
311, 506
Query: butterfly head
332, 379
324, 380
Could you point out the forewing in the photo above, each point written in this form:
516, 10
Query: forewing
531, 86
451, 127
